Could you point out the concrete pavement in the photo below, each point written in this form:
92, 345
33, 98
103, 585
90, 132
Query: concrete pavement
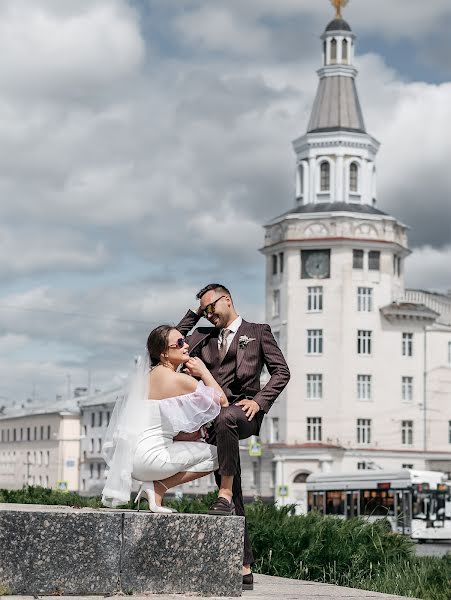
265, 588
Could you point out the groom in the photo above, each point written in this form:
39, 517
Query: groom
235, 352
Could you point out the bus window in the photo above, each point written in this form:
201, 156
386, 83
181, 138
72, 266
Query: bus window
316, 501
377, 503
335, 503
352, 504
421, 505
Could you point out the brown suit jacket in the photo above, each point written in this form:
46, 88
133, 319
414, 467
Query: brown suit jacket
239, 373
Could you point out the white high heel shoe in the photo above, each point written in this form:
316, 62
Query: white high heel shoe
149, 491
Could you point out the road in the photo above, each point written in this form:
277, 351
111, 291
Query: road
436, 549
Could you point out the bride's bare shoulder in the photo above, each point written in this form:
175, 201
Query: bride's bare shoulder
167, 384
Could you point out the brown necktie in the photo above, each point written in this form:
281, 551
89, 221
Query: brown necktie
223, 344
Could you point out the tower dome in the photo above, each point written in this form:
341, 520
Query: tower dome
338, 25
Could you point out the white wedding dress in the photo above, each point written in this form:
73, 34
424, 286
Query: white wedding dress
156, 454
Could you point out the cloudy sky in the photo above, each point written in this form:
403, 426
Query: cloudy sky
144, 143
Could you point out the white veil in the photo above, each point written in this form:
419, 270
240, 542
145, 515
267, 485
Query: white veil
121, 436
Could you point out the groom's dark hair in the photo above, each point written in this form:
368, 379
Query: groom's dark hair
217, 287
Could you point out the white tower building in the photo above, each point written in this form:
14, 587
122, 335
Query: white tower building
360, 354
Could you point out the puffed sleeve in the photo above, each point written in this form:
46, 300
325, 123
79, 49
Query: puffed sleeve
191, 411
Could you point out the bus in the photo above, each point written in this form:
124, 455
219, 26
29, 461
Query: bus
416, 503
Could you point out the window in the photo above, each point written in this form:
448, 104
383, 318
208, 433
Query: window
357, 259
344, 52
397, 265
354, 177
46, 481
108, 417
14, 435
364, 387
407, 389
364, 299
28, 434
35, 431
374, 260
47, 458
407, 433
333, 51
91, 470
40, 457
364, 342
314, 341
315, 299
314, 426
274, 264
324, 176
99, 470
281, 262
407, 466
301, 180
276, 303
42, 432
407, 344
100, 418
49, 431
99, 445
93, 419
364, 431
91, 445
274, 433
314, 386
21, 434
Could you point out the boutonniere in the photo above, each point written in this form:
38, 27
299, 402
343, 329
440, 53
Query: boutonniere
244, 341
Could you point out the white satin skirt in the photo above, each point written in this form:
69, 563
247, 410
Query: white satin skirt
157, 459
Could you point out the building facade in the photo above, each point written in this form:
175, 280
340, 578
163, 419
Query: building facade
370, 360
40, 446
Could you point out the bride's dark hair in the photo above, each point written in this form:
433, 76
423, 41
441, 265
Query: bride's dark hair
157, 342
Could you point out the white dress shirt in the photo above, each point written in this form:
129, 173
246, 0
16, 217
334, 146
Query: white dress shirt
233, 328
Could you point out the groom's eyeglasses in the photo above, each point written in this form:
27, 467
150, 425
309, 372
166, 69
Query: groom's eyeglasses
178, 344
210, 308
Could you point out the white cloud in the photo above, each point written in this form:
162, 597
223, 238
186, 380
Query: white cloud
52, 50
168, 167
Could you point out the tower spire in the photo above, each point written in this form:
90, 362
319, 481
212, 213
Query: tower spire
339, 4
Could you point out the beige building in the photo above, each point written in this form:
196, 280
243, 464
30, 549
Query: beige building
41, 446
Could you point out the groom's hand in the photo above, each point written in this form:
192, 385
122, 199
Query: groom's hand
250, 407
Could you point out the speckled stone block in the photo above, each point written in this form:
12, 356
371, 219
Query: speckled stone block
59, 550
174, 554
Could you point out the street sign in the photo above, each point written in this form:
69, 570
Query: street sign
282, 491
255, 448
61, 486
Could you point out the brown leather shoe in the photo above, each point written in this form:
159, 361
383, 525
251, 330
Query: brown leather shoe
248, 582
222, 507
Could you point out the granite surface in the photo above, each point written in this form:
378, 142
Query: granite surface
182, 554
59, 551
49, 550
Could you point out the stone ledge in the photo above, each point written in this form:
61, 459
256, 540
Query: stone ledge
55, 550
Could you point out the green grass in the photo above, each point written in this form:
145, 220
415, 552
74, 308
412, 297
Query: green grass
353, 553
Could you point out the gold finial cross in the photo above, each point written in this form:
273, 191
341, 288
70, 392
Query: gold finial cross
339, 4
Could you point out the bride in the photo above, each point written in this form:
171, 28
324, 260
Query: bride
161, 403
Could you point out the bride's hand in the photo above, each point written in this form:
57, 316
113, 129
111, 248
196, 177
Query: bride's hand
196, 367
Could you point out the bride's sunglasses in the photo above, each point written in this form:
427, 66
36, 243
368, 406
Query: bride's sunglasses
179, 343
210, 308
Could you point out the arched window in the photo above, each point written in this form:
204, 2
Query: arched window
301, 180
301, 478
354, 178
344, 52
333, 51
325, 51
325, 176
